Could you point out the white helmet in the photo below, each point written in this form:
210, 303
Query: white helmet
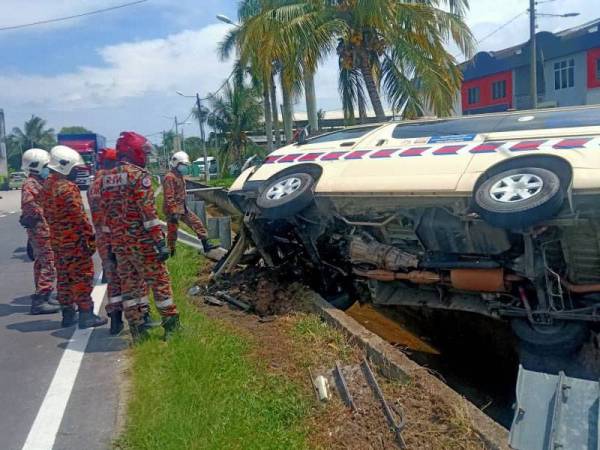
63, 159
179, 158
34, 160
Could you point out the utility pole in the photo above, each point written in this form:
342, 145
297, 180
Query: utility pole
533, 49
204, 151
3, 158
177, 144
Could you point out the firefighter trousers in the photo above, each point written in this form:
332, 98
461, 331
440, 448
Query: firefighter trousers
136, 268
44, 273
109, 267
75, 277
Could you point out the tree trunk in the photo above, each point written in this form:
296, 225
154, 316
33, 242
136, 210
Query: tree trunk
311, 101
275, 110
268, 116
367, 74
362, 112
288, 113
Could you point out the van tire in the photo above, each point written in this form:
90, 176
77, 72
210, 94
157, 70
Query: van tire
286, 196
516, 206
560, 339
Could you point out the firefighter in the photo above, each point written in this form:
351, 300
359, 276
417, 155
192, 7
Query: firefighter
72, 238
174, 203
35, 165
114, 307
136, 235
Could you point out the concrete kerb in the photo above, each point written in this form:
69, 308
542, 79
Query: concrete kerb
396, 365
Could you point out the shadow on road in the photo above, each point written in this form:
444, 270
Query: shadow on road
19, 305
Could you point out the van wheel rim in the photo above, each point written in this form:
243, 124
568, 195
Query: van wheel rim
284, 188
516, 188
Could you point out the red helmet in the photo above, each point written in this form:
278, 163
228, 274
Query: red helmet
107, 158
132, 147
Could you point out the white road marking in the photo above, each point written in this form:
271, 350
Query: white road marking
47, 422
2, 215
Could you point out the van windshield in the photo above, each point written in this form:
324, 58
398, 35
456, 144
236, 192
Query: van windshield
530, 120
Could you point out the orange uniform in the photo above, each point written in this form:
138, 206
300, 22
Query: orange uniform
103, 244
33, 219
175, 208
136, 236
72, 240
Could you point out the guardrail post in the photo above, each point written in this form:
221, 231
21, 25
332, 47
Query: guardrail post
224, 224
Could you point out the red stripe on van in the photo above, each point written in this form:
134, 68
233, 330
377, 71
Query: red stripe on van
289, 158
357, 154
415, 151
487, 148
383, 153
526, 145
571, 143
448, 150
271, 159
310, 157
332, 156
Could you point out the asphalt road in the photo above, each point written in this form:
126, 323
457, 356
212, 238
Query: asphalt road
32, 349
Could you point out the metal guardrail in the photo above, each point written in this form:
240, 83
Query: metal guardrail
555, 412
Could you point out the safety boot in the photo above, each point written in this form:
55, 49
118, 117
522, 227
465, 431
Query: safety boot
139, 333
39, 305
116, 322
149, 323
53, 299
171, 325
87, 319
68, 316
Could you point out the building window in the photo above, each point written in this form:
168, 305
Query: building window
473, 95
564, 74
498, 89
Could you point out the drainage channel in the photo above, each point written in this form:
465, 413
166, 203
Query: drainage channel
473, 355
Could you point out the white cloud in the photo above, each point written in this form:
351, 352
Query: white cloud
186, 61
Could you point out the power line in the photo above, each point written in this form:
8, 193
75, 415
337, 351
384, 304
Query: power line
61, 19
501, 27
504, 25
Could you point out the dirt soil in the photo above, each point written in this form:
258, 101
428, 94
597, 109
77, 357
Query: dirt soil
289, 340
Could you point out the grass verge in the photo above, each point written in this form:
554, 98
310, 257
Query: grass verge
201, 390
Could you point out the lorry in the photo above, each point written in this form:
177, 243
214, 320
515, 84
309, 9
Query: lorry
89, 146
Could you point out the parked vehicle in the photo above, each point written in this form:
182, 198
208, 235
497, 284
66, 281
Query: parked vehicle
493, 214
16, 180
213, 166
89, 145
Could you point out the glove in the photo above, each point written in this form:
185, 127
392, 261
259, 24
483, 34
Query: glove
174, 218
207, 246
29, 222
162, 250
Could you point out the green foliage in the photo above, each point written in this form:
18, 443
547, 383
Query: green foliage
201, 391
34, 134
235, 111
76, 129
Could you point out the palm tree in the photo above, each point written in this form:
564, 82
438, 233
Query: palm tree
34, 134
235, 111
397, 46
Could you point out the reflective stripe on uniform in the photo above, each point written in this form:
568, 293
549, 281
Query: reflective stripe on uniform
117, 299
165, 303
105, 229
130, 303
151, 223
144, 300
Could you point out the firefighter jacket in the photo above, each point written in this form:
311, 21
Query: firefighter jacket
63, 208
174, 191
32, 211
128, 200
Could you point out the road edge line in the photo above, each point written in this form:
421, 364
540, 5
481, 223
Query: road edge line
46, 425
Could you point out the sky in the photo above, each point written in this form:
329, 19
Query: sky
120, 69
